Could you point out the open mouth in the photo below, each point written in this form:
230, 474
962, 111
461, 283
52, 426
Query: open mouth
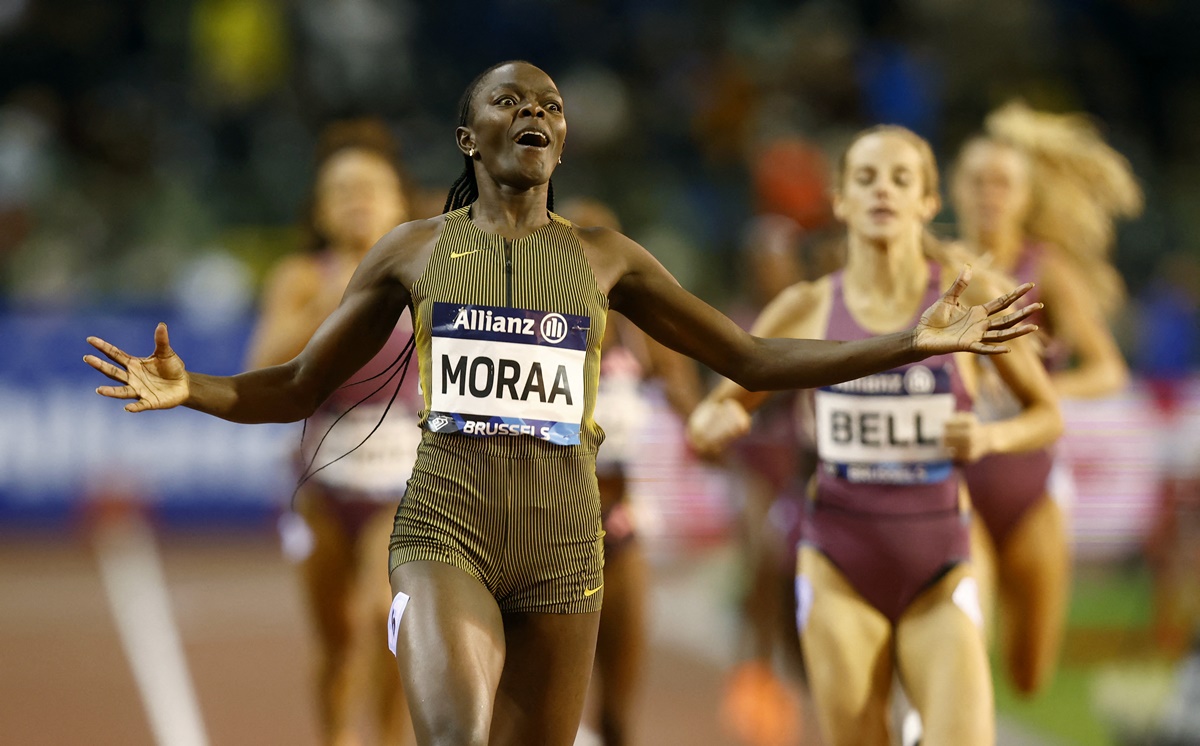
882, 213
533, 139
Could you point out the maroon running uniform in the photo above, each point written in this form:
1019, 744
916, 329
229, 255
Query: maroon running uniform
886, 510
1005, 485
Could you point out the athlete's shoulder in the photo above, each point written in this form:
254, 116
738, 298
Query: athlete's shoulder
805, 295
800, 311
414, 232
404, 251
302, 267
1052, 262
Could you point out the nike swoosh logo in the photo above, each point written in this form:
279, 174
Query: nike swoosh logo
592, 591
456, 254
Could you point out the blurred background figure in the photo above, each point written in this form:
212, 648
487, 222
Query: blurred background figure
358, 451
628, 358
1037, 196
884, 587
769, 468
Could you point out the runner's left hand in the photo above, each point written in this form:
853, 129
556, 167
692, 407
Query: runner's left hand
949, 326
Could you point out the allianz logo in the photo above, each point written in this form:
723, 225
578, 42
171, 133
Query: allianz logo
916, 380
552, 327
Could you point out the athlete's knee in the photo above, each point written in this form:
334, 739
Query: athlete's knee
463, 730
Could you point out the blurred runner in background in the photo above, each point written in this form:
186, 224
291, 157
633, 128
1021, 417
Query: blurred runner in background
628, 358
1038, 195
883, 579
343, 513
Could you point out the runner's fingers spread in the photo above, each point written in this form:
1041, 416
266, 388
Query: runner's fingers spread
1003, 335
1004, 301
960, 284
987, 349
118, 392
117, 374
1014, 317
111, 352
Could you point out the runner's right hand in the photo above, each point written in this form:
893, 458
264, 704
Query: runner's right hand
714, 424
155, 382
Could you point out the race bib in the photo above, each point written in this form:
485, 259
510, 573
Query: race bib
886, 428
507, 371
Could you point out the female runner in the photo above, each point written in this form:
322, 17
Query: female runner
347, 508
496, 559
883, 578
1038, 194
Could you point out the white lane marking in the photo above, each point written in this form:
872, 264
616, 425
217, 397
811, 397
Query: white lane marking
138, 599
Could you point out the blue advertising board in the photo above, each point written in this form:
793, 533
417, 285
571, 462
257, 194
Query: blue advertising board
61, 444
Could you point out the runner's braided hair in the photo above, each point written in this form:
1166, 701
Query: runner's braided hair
465, 189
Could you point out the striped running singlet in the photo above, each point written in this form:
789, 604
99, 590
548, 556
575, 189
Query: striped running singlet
508, 345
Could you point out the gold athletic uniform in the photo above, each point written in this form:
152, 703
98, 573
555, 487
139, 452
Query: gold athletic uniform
508, 344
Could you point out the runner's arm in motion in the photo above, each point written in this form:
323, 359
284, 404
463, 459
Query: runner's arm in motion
291, 391
1077, 320
1038, 424
650, 297
724, 415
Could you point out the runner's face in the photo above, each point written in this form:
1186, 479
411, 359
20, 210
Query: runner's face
517, 126
991, 189
883, 195
358, 198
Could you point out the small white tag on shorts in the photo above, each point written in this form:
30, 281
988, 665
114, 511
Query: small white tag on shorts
966, 597
804, 601
394, 616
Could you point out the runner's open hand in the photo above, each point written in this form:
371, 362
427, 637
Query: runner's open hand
156, 382
949, 326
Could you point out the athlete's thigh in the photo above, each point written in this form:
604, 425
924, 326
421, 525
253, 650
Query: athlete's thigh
328, 570
984, 568
373, 598
943, 663
546, 672
847, 648
372, 589
450, 650
622, 636
1034, 580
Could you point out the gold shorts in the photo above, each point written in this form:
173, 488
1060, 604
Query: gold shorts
526, 525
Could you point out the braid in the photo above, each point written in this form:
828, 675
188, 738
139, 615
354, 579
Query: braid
465, 189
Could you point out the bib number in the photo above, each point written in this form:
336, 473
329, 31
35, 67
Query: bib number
507, 371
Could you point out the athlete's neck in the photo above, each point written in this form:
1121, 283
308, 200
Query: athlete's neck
509, 212
892, 271
1003, 245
